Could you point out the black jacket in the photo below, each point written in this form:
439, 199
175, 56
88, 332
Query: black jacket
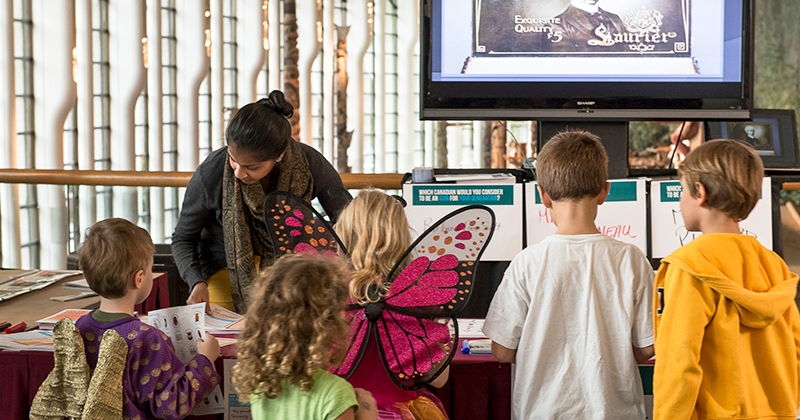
198, 244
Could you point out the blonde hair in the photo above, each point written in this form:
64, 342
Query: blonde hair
731, 173
112, 252
374, 230
294, 325
572, 165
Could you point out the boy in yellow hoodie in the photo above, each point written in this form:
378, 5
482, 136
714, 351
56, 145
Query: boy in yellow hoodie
727, 328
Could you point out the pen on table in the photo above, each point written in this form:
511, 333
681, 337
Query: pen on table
16, 328
476, 347
4, 325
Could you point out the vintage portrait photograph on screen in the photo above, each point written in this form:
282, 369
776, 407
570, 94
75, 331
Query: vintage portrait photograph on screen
756, 134
772, 133
582, 27
582, 40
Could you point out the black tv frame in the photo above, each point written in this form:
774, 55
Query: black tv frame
570, 101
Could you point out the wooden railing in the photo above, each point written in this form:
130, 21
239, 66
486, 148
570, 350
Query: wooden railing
180, 179
790, 186
160, 179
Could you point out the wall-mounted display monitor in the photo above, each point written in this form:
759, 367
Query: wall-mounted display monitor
586, 59
772, 132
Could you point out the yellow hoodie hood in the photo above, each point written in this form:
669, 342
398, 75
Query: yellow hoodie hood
738, 268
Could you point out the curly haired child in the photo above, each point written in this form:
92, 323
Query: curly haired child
294, 331
375, 231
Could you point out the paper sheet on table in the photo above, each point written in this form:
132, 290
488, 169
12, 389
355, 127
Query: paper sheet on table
29, 281
36, 340
469, 328
222, 320
80, 284
73, 314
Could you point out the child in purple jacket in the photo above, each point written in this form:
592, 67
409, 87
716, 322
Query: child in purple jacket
117, 260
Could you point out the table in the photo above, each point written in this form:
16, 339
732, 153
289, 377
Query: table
479, 387
24, 371
35, 305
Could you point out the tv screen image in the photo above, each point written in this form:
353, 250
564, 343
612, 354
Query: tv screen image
772, 133
584, 28
587, 59
756, 134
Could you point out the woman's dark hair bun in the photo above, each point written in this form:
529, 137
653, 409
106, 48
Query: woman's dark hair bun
277, 101
262, 127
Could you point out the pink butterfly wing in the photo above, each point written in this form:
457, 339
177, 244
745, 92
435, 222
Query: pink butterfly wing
415, 350
439, 280
431, 289
416, 345
359, 333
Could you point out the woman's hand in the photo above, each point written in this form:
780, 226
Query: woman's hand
199, 294
689, 130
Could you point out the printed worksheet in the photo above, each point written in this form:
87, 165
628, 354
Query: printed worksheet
185, 325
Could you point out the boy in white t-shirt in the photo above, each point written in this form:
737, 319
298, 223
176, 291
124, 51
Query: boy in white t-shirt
574, 312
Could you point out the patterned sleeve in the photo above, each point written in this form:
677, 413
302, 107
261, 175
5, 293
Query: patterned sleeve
162, 384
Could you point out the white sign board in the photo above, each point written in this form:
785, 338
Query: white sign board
234, 409
427, 203
669, 233
623, 216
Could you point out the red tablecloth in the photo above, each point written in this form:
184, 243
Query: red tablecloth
479, 387
159, 295
23, 372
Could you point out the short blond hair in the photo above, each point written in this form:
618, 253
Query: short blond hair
374, 230
112, 252
294, 326
731, 173
572, 165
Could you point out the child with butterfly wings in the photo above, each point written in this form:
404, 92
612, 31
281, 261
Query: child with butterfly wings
375, 231
401, 296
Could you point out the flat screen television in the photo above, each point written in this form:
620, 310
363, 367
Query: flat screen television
615, 60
